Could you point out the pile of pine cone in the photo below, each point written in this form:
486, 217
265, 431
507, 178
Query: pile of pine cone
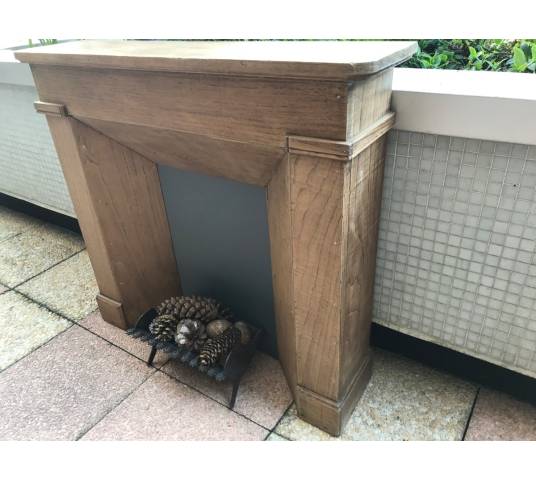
200, 324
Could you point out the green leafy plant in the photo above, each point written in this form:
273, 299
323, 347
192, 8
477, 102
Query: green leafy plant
43, 41
489, 54
524, 58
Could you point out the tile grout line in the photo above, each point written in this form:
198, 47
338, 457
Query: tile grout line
116, 346
18, 234
279, 421
73, 323
213, 399
111, 409
83, 327
8, 289
45, 306
35, 349
28, 228
46, 270
470, 415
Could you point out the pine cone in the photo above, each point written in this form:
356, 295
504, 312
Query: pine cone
191, 334
224, 311
219, 346
194, 308
164, 327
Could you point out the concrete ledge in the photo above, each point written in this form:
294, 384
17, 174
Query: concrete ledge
14, 72
495, 106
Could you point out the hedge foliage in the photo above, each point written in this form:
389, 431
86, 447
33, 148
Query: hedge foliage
495, 55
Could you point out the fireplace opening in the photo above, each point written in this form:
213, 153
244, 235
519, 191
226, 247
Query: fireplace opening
219, 229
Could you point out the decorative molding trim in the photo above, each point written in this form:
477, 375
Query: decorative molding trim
51, 108
112, 310
339, 150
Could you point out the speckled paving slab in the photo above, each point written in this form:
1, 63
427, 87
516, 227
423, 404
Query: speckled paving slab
3, 289
97, 325
498, 416
24, 326
274, 437
164, 409
403, 401
12, 223
69, 288
61, 390
35, 250
263, 395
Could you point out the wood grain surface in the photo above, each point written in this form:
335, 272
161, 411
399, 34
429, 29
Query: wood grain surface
261, 111
296, 59
244, 162
117, 198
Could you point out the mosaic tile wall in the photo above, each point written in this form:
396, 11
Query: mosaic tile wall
29, 166
456, 255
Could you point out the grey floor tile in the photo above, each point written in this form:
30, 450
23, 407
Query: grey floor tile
13, 223
69, 288
61, 390
164, 409
24, 326
498, 416
403, 401
97, 325
263, 395
35, 250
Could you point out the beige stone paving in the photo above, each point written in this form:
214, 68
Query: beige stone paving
403, 401
69, 288
34, 250
13, 223
24, 326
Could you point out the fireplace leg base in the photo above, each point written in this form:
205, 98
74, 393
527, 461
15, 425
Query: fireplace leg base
327, 414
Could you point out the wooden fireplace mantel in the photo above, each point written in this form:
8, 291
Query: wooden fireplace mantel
305, 120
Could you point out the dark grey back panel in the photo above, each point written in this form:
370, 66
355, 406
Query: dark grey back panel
220, 235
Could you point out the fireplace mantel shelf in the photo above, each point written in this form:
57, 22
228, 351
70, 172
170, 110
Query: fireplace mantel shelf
289, 59
305, 120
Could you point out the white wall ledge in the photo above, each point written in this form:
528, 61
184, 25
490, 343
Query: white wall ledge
14, 72
497, 106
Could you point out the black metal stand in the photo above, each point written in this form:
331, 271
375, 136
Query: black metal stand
151, 356
232, 369
233, 394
